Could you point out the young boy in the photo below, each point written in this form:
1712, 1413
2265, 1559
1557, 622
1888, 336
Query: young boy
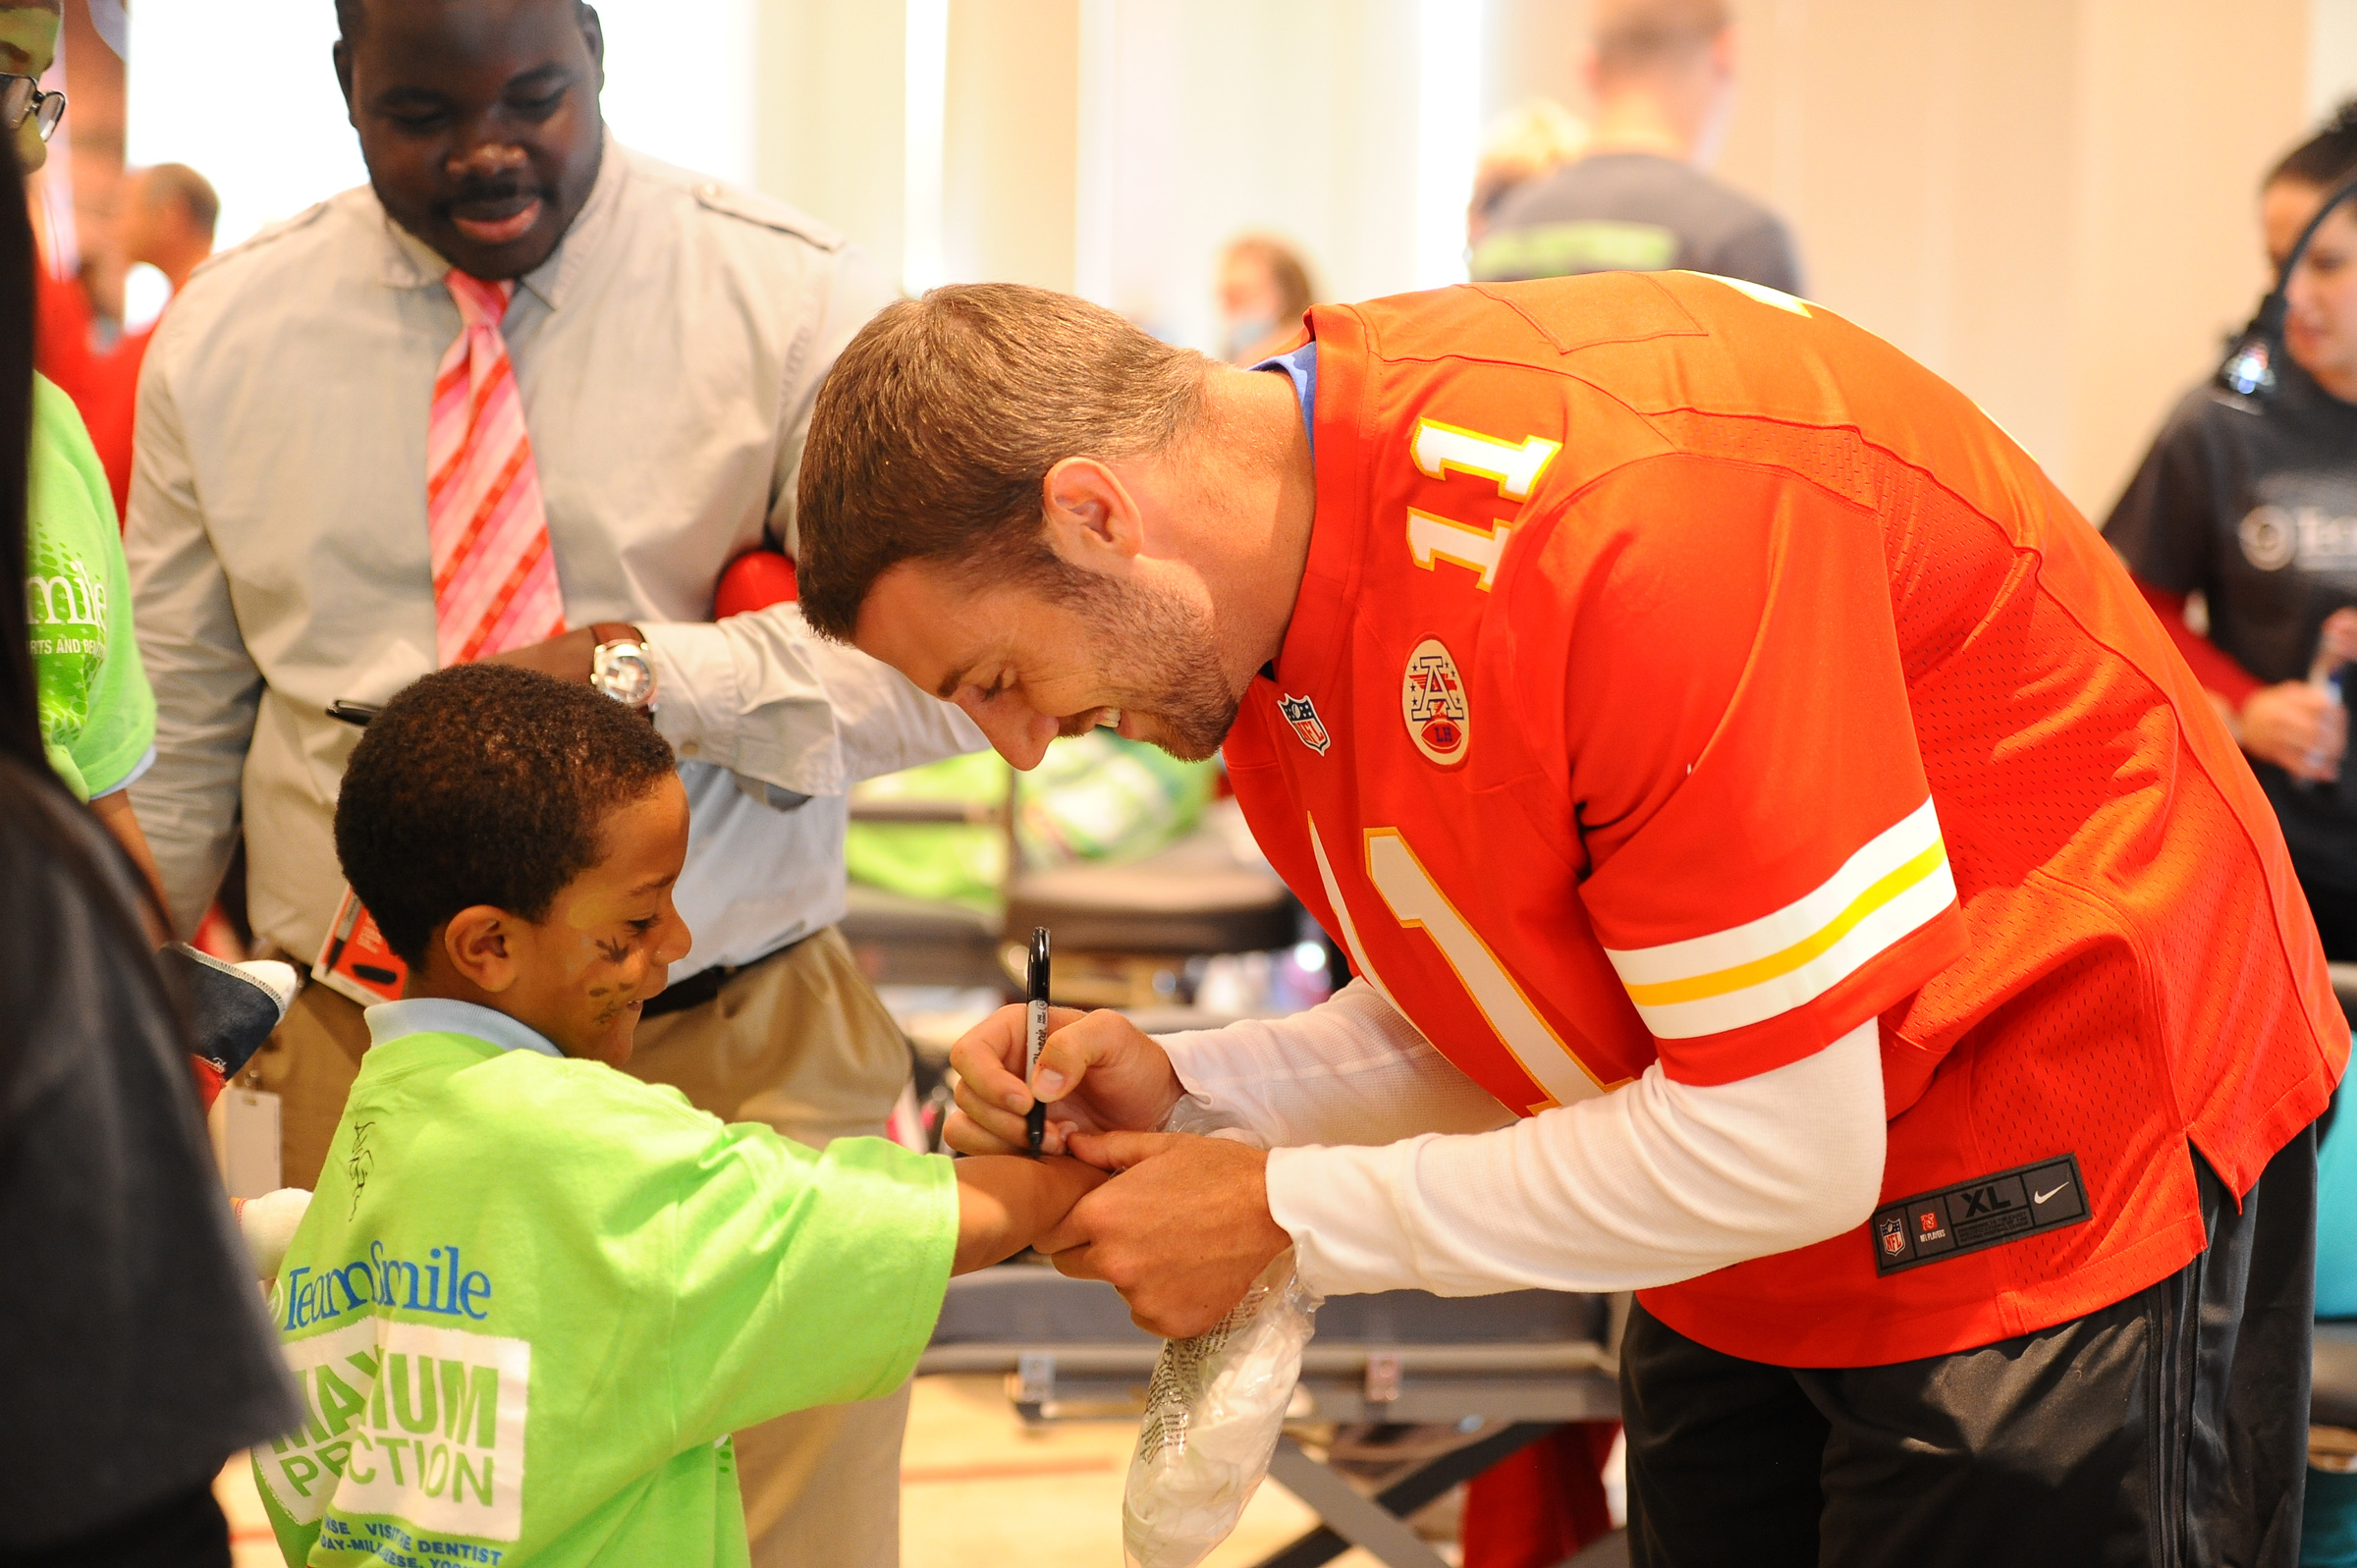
533, 1295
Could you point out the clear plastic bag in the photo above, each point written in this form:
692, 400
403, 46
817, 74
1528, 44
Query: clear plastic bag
1214, 1410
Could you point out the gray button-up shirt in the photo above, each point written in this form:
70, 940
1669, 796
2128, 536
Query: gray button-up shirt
668, 355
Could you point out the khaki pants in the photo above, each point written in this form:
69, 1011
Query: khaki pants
799, 1042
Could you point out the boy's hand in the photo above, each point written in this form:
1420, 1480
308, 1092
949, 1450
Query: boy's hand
1007, 1204
1098, 1071
1182, 1233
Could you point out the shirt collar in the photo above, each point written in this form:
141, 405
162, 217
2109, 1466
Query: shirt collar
412, 264
389, 1021
1300, 366
1321, 616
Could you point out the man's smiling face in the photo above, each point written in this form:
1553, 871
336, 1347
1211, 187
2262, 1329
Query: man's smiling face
479, 122
1029, 665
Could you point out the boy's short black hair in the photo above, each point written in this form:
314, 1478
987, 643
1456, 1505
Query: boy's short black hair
485, 783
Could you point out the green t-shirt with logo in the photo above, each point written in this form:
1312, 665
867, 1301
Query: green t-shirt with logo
97, 714
533, 1296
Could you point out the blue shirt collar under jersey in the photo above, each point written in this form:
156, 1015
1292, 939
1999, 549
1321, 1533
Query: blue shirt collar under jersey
389, 1021
1302, 365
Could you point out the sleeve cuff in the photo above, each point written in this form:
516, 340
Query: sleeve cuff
1338, 1207
138, 771
696, 700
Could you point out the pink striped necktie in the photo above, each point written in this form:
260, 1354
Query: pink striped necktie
495, 577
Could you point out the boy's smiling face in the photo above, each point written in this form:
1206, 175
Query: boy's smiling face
583, 975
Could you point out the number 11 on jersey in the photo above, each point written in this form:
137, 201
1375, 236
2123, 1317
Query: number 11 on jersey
1417, 901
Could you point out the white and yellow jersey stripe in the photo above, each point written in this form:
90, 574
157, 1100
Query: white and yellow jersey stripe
1897, 883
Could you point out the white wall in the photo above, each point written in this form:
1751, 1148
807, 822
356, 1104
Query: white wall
2333, 55
254, 108
1228, 116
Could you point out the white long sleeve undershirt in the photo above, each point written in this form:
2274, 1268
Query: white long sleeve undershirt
1393, 1171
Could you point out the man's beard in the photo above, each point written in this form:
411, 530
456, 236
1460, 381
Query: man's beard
1163, 650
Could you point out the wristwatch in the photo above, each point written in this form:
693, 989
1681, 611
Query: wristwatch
622, 667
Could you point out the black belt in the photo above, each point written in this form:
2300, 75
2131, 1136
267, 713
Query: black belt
702, 986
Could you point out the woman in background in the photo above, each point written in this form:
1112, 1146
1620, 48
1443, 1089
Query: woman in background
2253, 506
139, 1357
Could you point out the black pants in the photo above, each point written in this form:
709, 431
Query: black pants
2335, 911
2167, 1431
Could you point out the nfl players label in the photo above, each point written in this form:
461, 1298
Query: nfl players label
1974, 1216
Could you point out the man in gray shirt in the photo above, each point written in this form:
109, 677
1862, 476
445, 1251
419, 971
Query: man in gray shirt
643, 348
1662, 75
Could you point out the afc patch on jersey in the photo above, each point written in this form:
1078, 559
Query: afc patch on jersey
1432, 699
1302, 714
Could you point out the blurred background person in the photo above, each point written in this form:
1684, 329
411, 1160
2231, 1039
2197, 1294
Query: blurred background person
1517, 147
1264, 287
164, 218
2253, 506
142, 1360
165, 221
1662, 76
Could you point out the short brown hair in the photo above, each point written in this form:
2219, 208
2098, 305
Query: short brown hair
1632, 36
193, 191
938, 425
1288, 273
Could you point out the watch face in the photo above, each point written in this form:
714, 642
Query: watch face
622, 672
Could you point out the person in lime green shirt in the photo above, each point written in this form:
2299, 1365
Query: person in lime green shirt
97, 714
532, 1296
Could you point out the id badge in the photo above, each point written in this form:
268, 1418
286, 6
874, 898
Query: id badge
354, 962
250, 1150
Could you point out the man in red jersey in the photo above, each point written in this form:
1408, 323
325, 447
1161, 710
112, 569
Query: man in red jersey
1788, 873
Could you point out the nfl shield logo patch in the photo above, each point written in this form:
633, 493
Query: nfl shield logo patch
1894, 1239
1432, 699
1302, 714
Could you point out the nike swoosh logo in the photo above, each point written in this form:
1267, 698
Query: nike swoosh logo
2041, 1197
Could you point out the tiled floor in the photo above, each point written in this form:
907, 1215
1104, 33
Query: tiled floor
979, 1490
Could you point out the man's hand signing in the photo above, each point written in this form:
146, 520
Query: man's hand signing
1181, 1232
1097, 1071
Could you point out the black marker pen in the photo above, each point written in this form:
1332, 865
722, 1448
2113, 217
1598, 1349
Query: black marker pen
1035, 1030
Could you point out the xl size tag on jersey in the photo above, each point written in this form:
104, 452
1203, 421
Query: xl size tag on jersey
1985, 1212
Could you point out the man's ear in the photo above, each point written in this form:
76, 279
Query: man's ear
1092, 520
594, 33
479, 942
344, 80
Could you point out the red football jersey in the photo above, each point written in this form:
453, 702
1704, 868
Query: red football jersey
1681, 672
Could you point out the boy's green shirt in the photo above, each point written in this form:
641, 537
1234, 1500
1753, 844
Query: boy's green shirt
533, 1296
98, 712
